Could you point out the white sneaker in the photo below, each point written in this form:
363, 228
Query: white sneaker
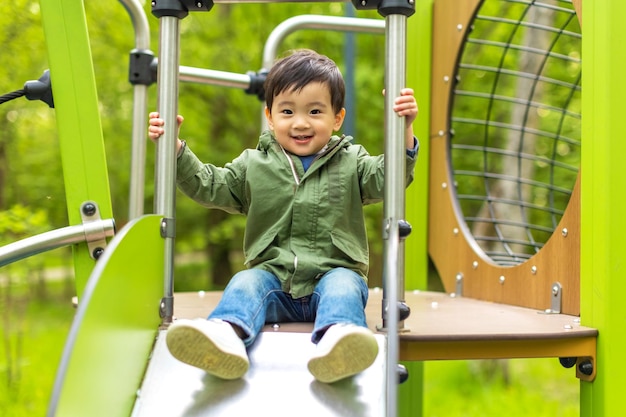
211, 345
345, 350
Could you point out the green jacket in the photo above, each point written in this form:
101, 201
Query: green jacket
299, 224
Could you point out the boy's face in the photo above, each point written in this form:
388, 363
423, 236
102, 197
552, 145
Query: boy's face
303, 121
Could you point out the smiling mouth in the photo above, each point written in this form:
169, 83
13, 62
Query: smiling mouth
302, 138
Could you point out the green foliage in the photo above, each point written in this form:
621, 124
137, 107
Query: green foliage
20, 221
536, 387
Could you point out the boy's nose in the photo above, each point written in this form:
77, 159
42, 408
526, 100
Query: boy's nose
301, 121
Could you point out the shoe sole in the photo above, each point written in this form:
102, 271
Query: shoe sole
193, 347
351, 355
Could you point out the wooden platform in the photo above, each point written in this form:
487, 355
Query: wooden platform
442, 327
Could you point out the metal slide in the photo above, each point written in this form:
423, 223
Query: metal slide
277, 384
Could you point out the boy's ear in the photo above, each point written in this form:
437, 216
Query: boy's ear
268, 117
339, 119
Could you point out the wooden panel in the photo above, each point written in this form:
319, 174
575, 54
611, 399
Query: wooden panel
452, 248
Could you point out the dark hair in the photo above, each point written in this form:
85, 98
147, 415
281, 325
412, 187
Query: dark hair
300, 68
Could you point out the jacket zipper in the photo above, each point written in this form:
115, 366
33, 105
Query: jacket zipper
293, 167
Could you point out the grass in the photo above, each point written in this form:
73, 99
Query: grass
536, 387
33, 335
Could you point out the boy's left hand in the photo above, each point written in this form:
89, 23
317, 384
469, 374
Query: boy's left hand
406, 106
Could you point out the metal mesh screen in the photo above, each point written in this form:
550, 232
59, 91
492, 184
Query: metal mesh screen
516, 123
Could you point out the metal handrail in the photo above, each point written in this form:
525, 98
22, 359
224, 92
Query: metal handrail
54, 239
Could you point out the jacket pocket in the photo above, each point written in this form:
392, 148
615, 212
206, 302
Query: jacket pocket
254, 248
353, 248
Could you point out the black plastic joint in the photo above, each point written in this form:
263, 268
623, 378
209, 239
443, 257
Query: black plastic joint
404, 229
40, 89
179, 8
403, 7
139, 67
387, 7
257, 81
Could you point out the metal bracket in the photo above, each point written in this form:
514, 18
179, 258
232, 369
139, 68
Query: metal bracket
95, 232
556, 299
459, 285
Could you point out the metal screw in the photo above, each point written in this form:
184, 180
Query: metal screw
97, 252
459, 277
459, 27
446, 79
555, 290
475, 265
564, 232
455, 231
444, 185
441, 133
533, 269
89, 209
502, 279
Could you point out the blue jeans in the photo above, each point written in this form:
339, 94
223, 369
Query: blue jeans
254, 297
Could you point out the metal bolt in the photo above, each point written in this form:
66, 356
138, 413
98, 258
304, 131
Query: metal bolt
502, 279
555, 290
441, 133
568, 327
97, 252
475, 265
446, 79
564, 232
586, 367
455, 231
276, 326
89, 209
533, 269
444, 185
459, 27
459, 277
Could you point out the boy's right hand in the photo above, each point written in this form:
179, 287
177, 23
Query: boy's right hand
155, 129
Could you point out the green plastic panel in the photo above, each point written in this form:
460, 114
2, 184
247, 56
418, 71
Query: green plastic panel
119, 324
603, 247
419, 36
78, 119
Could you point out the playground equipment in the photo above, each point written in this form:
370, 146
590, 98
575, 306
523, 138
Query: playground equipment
122, 338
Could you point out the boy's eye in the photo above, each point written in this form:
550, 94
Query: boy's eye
286, 111
316, 111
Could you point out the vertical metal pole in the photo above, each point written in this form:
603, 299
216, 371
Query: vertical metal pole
165, 182
394, 202
140, 114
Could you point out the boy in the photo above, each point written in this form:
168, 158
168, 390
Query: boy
305, 244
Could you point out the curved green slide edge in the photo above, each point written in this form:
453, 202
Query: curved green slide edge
78, 118
116, 324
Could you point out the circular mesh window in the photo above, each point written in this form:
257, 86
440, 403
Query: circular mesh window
516, 123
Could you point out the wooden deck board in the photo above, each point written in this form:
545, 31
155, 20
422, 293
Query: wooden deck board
442, 327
